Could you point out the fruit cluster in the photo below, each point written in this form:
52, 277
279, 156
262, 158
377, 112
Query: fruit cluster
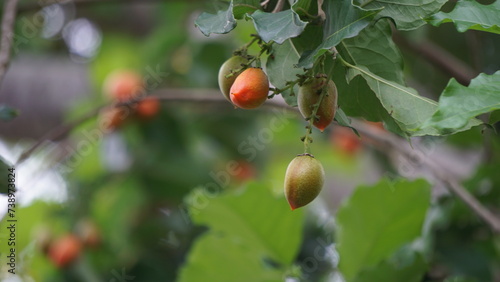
247, 87
126, 87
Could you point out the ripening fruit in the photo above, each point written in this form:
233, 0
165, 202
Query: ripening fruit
227, 67
123, 85
304, 179
65, 250
148, 107
309, 94
250, 89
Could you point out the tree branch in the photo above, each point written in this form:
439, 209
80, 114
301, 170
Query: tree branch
386, 141
44, 3
438, 57
393, 143
279, 6
8, 19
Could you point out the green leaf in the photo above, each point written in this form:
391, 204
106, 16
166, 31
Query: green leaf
494, 117
374, 49
358, 100
278, 27
4, 170
469, 14
408, 109
407, 265
305, 8
378, 220
281, 67
222, 22
215, 258
406, 14
342, 118
459, 104
342, 21
7, 113
246, 230
242, 7
309, 39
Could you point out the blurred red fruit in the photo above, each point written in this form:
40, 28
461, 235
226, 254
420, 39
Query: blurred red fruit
123, 85
246, 171
148, 107
65, 250
345, 140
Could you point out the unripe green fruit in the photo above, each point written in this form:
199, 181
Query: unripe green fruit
304, 179
250, 89
309, 94
230, 65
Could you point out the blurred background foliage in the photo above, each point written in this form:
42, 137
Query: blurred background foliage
149, 189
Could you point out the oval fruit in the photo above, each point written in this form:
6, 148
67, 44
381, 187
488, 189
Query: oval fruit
123, 85
250, 89
148, 107
304, 179
65, 250
309, 94
227, 67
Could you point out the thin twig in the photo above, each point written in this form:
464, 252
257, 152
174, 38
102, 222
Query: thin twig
321, 13
394, 143
384, 140
264, 3
8, 19
58, 133
177, 95
279, 6
40, 4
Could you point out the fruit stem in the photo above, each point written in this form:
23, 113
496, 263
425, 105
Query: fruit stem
255, 38
264, 48
308, 139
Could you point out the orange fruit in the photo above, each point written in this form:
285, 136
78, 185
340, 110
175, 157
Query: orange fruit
123, 85
148, 107
250, 89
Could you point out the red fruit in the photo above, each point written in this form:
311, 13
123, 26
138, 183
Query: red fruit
65, 250
123, 85
250, 89
245, 171
345, 140
148, 107
229, 66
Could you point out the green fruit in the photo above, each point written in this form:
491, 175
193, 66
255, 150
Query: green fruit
309, 94
304, 179
232, 64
